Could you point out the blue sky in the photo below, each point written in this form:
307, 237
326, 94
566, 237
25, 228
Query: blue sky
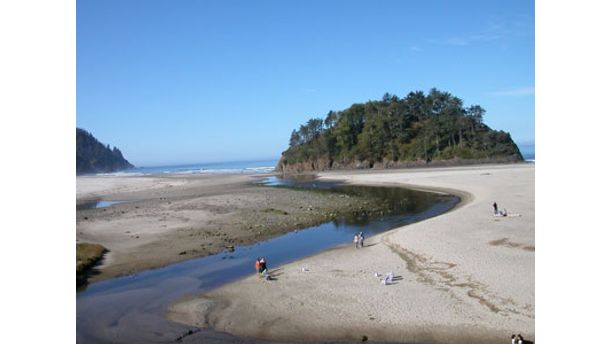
177, 81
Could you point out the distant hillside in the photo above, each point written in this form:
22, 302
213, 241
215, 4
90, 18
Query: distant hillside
94, 157
419, 129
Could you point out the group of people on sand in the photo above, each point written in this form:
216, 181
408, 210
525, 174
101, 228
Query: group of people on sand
358, 240
261, 268
517, 339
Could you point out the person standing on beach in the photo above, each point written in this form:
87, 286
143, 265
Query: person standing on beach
361, 238
257, 266
495, 208
356, 240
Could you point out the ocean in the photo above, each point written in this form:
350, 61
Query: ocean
243, 167
232, 167
528, 151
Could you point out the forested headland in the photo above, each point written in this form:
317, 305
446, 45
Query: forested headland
419, 129
94, 157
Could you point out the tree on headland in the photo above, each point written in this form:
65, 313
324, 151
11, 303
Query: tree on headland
295, 139
419, 127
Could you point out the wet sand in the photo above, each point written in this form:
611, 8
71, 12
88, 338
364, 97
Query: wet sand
462, 277
173, 218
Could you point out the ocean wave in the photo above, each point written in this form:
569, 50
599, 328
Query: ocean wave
247, 167
265, 168
121, 174
247, 170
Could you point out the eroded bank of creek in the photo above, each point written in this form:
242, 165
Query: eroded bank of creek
131, 309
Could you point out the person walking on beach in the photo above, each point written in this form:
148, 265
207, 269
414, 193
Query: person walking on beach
356, 240
494, 208
361, 239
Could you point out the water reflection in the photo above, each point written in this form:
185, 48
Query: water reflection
390, 200
97, 204
131, 309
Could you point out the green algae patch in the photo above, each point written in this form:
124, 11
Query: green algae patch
87, 256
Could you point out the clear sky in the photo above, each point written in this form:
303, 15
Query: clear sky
188, 81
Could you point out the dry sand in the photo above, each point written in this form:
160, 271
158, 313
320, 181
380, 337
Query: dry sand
462, 277
173, 218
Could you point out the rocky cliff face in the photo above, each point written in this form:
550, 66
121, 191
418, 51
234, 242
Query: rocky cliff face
326, 164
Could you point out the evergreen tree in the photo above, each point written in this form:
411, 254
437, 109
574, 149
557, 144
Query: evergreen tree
417, 127
93, 157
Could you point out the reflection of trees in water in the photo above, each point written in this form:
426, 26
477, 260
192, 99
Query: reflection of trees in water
386, 201
394, 198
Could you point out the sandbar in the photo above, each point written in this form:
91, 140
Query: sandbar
465, 276
164, 219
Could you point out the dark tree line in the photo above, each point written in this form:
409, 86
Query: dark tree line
433, 126
94, 157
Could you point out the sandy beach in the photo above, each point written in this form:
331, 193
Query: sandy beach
463, 277
168, 219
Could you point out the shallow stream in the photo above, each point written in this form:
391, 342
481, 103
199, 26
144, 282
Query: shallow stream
131, 309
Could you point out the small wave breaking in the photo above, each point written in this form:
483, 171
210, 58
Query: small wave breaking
234, 167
